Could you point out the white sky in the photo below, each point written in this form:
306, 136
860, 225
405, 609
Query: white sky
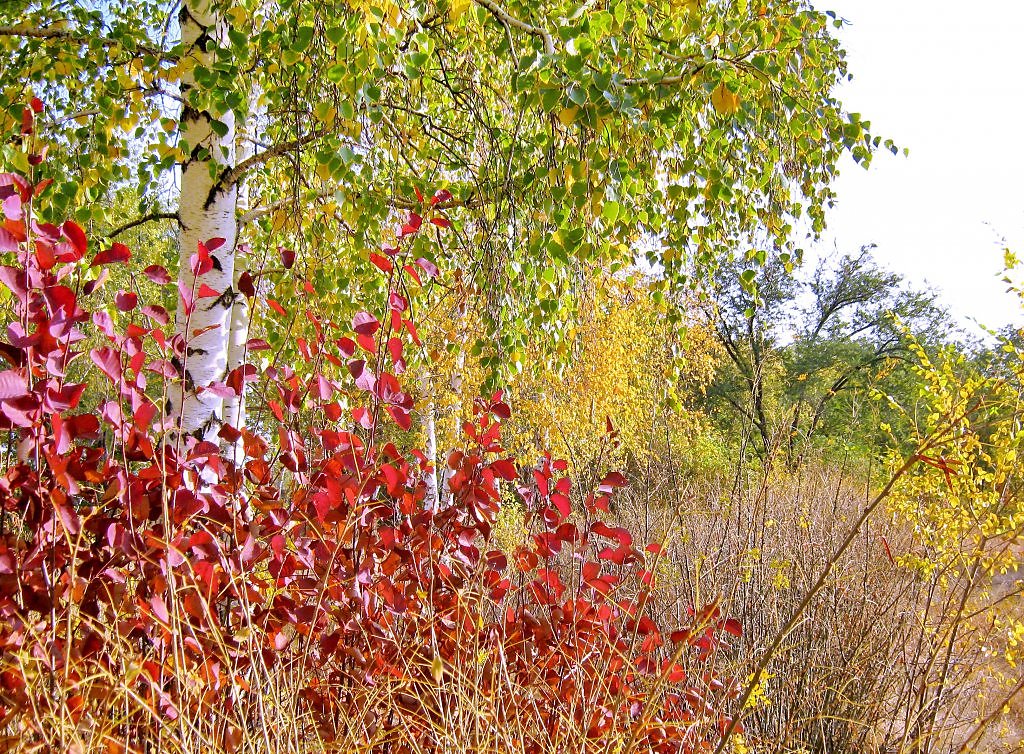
945, 80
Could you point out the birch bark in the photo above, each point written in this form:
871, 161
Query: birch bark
207, 210
239, 319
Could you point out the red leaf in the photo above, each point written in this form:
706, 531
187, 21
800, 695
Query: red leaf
496, 560
246, 286
126, 300
116, 254
206, 291
365, 323
393, 479
367, 342
74, 233
413, 273
347, 346
201, 262
395, 349
382, 263
505, 468
441, 222
444, 195
412, 226
276, 307
287, 257
401, 417
732, 626
412, 331
611, 481
396, 302
157, 274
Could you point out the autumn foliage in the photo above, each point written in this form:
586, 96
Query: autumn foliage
157, 586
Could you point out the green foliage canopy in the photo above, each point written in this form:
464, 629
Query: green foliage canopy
566, 132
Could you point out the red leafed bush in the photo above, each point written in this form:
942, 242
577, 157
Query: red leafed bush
146, 581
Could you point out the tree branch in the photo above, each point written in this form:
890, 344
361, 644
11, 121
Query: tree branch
664, 80
151, 217
502, 15
51, 32
231, 176
395, 202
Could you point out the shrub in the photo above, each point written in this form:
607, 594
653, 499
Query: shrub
155, 593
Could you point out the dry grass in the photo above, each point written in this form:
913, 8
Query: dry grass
883, 659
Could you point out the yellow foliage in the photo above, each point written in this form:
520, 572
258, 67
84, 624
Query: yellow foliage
963, 499
725, 101
620, 365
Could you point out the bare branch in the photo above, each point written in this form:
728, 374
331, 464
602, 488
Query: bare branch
151, 217
231, 176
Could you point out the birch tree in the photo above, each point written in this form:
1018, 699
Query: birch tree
562, 133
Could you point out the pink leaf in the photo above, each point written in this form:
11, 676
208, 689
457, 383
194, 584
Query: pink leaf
109, 362
427, 266
12, 384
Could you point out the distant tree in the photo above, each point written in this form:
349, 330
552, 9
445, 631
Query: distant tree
800, 350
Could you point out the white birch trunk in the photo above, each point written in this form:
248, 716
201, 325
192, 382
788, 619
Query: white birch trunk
431, 500
238, 337
206, 211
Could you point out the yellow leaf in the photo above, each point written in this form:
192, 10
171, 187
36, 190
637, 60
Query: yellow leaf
437, 669
458, 8
724, 101
278, 220
325, 113
567, 115
239, 16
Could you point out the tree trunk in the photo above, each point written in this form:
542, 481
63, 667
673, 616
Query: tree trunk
207, 211
239, 320
432, 499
